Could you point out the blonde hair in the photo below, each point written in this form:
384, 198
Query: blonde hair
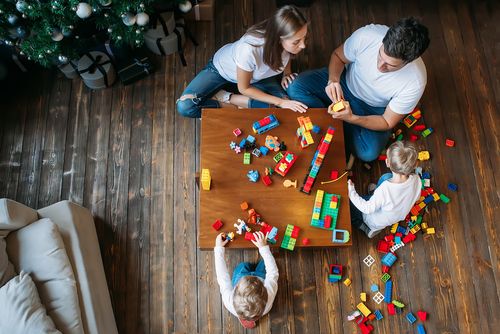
402, 156
250, 298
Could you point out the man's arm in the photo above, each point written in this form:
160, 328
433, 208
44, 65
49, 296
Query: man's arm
383, 122
337, 63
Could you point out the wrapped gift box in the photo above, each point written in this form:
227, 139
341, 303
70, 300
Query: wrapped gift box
135, 67
96, 70
202, 11
70, 70
162, 24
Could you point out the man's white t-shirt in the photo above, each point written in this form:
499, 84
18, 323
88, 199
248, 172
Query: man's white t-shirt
389, 204
246, 53
401, 89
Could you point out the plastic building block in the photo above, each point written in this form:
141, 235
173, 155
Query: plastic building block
420, 329
242, 227
217, 225
244, 206
444, 198
423, 155
290, 237
237, 132
450, 143
305, 241
378, 315
246, 158
316, 129
398, 304
272, 143
290, 183
304, 131
205, 179
354, 314
388, 291
427, 132
256, 152
452, 186
411, 318
242, 143
253, 175
335, 273
266, 180
362, 296
378, 297
419, 127
336, 107
369, 260
323, 209
334, 174
374, 288
422, 315
232, 145
340, 236
265, 124
413, 137
363, 309
237, 150
430, 230
228, 236
383, 246
347, 282
249, 236
263, 150
391, 309
283, 166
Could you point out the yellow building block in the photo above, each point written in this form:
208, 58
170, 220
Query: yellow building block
423, 155
336, 107
205, 179
363, 309
424, 226
347, 282
394, 228
430, 230
362, 296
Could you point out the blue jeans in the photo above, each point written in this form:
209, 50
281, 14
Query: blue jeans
309, 88
209, 81
356, 215
249, 269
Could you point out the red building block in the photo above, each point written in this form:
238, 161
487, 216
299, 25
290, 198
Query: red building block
295, 232
420, 127
413, 137
409, 238
450, 143
334, 174
383, 246
382, 157
391, 309
217, 225
305, 242
328, 221
266, 180
422, 315
249, 236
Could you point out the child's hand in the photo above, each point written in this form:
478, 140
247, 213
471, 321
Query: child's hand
350, 185
260, 239
219, 242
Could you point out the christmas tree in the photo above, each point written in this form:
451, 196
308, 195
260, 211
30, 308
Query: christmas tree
52, 32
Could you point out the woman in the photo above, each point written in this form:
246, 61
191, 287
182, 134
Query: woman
259, 63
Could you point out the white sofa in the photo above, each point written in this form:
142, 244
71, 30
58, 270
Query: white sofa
56, 248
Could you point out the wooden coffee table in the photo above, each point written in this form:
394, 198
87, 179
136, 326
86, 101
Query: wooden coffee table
277, 205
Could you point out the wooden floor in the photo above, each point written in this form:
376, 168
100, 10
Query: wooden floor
125, 154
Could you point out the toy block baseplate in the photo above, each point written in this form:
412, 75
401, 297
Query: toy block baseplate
290, 237
285, 163
325, 211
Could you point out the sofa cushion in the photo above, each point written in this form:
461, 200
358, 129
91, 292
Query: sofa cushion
6, 268
38, 249
14, 215
22, 312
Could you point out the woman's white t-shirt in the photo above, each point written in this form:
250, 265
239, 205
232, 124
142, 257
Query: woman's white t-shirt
400, 90
246, 53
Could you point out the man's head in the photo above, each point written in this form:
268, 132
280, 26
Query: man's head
250, 298
402, 157
404, 42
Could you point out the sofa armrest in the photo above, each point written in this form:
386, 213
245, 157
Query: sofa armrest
14, 215
78, 232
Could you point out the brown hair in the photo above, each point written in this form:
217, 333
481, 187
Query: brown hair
250, 298
285, 23
402, 156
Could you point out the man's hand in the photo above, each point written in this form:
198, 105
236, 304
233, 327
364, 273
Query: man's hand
219, 242
344, 115
334, 91
260, 239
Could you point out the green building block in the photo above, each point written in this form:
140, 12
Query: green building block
444, 198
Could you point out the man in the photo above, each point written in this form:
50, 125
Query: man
378, 70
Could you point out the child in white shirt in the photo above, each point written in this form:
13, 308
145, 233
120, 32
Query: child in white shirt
395, 195
251, 292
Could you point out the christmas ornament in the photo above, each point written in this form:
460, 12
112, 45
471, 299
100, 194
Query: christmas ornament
67, 31
142, 19
185, 6
128, 19
62, 59
105, 3
21, 32
56, 35
83, 10
13, 18
21, 6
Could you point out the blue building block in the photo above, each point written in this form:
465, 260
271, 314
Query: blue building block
264, 150
426, 175
374, 288
378, 315
243, 142
253, 175
452, 186
401, 229
316, 129
389, 259
411, 318
420, 329
388, 292
397, 240
251, 139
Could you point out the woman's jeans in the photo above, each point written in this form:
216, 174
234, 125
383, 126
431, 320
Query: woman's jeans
309, 88
356, 215
249, 269
209, 81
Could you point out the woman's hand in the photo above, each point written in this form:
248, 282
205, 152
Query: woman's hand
260, 239
334, 91
294, 105
287, 79
219, 242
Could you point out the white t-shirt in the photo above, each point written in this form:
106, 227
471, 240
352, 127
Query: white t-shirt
389, 204
226, 286
401, 89
246, 53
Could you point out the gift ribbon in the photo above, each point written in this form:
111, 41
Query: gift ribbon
144, 65
157, 17
96, 65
